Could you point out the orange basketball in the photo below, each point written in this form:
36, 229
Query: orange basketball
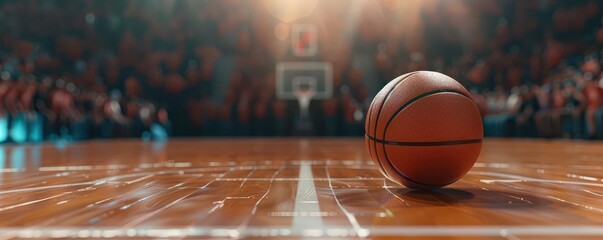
423, 130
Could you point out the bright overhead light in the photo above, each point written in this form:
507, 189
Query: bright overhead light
290, 10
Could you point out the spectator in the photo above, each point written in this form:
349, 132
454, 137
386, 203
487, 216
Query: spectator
526, 124
573, 117
594, 99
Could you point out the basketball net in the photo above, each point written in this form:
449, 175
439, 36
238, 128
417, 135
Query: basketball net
303, 97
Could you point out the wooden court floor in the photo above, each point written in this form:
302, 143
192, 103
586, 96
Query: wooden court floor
293, 188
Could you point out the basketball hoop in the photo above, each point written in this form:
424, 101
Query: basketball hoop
304, 95
304, 82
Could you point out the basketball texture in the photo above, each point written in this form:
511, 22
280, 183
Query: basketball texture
423, 130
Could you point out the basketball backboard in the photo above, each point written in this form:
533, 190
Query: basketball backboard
293, 77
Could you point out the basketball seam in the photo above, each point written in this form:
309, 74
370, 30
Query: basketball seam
417, 98
418, 144
396, 113
377, 120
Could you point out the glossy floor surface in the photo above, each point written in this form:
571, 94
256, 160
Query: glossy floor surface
293, 188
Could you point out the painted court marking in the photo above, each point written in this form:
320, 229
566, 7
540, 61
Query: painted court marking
306, 201
335, 231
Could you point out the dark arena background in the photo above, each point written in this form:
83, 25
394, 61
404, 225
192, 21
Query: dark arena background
246, 118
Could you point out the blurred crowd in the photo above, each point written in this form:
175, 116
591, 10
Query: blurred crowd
159, 68
570, 106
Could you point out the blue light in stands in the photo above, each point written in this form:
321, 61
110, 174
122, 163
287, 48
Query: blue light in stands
36, 128
3, 129
159, 133
18, 130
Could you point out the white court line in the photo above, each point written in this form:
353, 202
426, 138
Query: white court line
517, 178
334, 231
306, 201
114, 178
564, 230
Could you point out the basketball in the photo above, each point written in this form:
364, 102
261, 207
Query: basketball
423, 130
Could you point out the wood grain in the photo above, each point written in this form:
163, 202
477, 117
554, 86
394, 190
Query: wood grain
518, 189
